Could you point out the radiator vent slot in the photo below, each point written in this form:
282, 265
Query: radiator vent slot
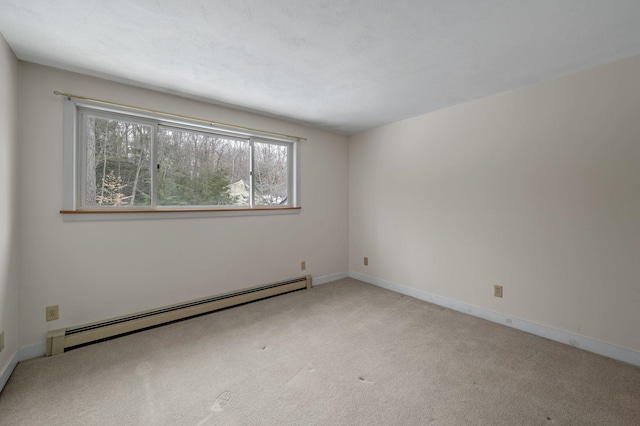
59, 340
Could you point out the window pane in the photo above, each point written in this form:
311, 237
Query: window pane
200, 169
271, 172
118, 163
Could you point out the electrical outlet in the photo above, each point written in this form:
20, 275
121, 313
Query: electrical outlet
1, 340
497, 290
303, 265
366, 261
53, 312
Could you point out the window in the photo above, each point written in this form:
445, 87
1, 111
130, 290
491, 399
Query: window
123, 161
202, 169
116, 153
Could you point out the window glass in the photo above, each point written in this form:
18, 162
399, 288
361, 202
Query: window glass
200, 169
118, 154
271, 173
137, 162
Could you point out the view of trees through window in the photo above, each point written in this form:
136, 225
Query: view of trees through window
118, 163
193, 168
198, 169
271, 173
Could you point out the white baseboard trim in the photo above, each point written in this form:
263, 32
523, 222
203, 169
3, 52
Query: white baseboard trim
22, 354
329, 278
8, 369
586, 343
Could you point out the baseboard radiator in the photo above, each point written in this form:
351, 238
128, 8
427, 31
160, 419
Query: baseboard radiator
65, 338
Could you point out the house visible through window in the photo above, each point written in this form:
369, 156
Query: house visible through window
130, 162
202, 169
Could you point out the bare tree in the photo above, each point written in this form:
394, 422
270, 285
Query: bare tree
90, 192
112, 194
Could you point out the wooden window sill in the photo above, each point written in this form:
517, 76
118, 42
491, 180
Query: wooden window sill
169, 213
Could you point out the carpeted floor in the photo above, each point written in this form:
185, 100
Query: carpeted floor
344, 353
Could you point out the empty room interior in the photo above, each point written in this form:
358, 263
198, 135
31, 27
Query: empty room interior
327, 212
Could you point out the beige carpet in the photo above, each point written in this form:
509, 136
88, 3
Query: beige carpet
345, 353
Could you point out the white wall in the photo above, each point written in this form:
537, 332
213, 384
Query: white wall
98, 270
537, 189
8, 246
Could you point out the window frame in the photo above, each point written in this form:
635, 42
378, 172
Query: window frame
75, 165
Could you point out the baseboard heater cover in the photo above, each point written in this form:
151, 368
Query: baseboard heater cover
64, 338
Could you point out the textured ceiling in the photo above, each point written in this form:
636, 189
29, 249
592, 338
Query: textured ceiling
343, 65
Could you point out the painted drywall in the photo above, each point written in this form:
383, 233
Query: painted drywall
8, 241
99, 270
536, 189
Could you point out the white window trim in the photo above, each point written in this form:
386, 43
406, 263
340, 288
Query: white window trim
73, 164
